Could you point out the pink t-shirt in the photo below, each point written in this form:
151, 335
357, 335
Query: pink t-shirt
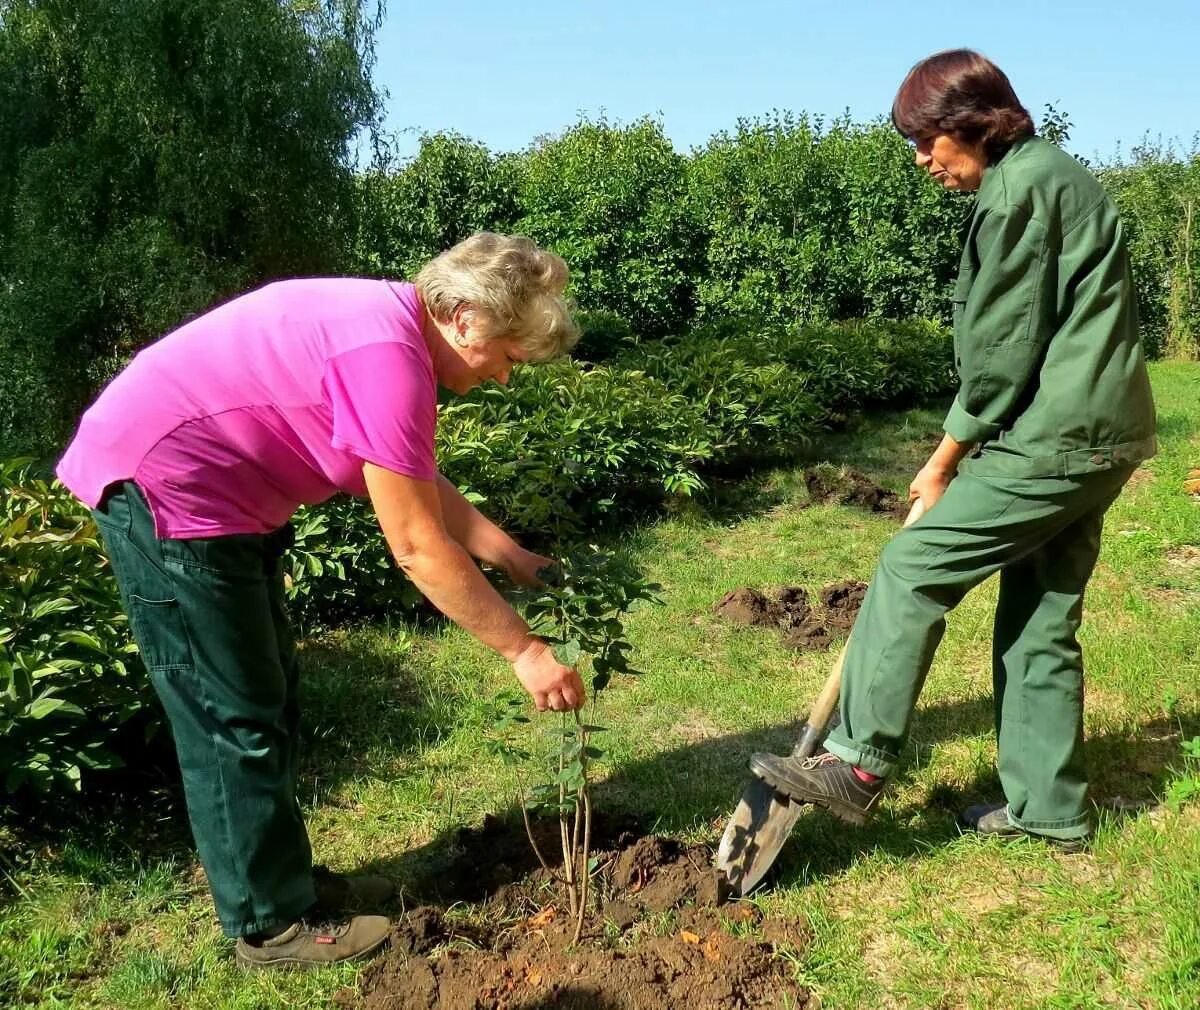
268, 402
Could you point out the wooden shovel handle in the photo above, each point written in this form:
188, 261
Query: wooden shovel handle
818, 716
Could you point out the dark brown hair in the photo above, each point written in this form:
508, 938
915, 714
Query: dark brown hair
965, 94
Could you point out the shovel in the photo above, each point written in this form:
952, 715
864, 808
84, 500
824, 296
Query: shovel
763, 819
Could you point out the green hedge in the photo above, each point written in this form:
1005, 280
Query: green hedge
1158, 195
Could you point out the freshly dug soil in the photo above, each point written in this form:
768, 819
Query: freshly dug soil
658, 941
830, 485
842, 602
788, 609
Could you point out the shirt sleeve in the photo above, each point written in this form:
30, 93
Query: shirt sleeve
384, 402
1004, 327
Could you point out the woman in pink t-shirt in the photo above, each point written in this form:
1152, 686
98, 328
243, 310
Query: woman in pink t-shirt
194, 458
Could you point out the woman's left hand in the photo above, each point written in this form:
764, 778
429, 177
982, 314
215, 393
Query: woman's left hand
523, 566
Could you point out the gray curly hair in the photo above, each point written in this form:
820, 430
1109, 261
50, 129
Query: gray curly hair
513, 288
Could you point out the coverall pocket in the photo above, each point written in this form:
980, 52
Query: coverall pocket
160, 632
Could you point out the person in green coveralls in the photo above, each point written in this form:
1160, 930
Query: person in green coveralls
1052, 415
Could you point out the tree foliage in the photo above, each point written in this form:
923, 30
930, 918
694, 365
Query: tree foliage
159, 156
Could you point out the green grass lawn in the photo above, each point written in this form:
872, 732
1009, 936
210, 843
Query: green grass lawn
103, 905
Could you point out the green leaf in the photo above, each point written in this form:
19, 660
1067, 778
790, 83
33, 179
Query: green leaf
44, 608
567, 653
42, 707
82, 638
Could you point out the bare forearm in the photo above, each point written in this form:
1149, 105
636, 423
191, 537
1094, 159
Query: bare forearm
447, 576
478, 535
949, 453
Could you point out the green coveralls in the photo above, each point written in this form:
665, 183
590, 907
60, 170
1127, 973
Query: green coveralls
1055, 398
208, 616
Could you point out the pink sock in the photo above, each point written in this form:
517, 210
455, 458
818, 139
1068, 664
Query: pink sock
866, 776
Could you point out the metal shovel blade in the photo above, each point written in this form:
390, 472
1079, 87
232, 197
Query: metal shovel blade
760, 825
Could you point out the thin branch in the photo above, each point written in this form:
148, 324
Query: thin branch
587, 845
529, 834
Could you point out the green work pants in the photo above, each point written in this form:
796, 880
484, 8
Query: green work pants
1043, 536
208, 617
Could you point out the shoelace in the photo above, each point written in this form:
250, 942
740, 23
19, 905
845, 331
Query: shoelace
817, 760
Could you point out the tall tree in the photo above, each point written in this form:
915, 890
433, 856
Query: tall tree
157, 156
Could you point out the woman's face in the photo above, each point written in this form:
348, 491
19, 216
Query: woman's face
465, 359
953, 163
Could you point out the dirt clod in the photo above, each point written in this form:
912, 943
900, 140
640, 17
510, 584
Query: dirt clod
788, 609
842, 602
745, 607
831, 485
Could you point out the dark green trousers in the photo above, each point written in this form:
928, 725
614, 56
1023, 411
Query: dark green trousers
1043, 537
208, 616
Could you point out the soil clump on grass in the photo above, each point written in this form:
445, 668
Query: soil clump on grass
829, 485
788, 609
657, 938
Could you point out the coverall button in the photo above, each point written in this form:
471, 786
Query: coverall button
1097, 459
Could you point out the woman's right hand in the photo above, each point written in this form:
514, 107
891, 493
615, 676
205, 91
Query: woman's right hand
549, 683
930, 484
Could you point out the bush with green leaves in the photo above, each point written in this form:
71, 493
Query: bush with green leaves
340, 567
69, 674
452, 188
564, 447
611, 200
813, 221
767, 390
1158, 196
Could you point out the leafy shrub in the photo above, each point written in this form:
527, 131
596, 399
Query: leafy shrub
564, 447
611, 201
69, 678
1158, 196
340, 566
765, 391
453, 188
811, 222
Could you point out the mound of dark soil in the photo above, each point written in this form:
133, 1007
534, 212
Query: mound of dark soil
830, 485
657, 941
788, 609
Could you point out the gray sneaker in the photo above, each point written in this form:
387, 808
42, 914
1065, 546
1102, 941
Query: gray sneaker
992, 819
340, 894
824, 779
310, 944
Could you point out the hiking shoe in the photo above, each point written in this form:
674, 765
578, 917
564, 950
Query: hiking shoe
824, 779
339, 893
311, 944
992, 819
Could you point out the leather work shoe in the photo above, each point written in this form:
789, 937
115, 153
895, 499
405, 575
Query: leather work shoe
306, 944
338, 892
824, 779
992, 819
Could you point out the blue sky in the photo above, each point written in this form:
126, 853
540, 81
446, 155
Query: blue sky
505, 73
